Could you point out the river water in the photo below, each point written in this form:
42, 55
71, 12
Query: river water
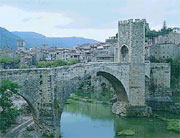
86, 120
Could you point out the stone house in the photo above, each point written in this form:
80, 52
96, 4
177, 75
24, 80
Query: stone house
104, 53
8, 52
63, 53
162, 47
172, 37
166, 50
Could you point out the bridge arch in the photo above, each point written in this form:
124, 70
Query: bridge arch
31, 106
114, 77
116, 84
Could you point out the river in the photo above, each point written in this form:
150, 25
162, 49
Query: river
87, 120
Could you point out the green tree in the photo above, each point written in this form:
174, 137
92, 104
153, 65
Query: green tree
59, 62
151, 33
6, 59
45, 64
8, 113
23, 67
48, 64
56, 63
154, 33
175, 72
164, 25
73, 61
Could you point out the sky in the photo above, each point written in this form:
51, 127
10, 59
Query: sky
95, 19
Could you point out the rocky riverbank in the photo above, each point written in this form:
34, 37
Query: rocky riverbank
86, 99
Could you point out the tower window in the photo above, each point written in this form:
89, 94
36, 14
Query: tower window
124, 51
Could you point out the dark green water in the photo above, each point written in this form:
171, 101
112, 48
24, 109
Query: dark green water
86, 120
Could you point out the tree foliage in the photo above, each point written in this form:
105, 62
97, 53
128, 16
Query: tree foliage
56, 63
154, 33
72, 61
175, 72
48, 64
24, 67
8, 113
9, 60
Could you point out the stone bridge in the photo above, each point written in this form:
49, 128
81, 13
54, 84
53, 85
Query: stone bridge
46, 90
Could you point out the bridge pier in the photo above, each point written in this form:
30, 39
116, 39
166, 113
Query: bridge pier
125, 109
48, 119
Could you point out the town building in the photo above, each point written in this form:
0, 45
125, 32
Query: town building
21, 45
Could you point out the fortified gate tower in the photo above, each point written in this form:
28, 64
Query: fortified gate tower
131, 40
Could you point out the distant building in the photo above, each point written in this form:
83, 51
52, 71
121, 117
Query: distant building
112, 39
104, 53
21, 45
8, 52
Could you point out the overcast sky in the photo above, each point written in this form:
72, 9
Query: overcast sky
96, 19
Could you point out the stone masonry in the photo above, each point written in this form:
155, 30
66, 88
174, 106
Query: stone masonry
46, 90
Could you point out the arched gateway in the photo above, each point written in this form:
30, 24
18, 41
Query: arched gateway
46, 90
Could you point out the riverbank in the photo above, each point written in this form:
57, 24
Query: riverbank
86, 99
172, 120
21, 122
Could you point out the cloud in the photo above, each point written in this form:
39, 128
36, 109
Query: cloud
89, 18
97, 34
78, 22
15, 19
155, 11
51, 24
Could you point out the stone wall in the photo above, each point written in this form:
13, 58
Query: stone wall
160, 95
37, 89
160, 82
161, 74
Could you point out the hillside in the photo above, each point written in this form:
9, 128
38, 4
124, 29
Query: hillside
7, 38
34, 39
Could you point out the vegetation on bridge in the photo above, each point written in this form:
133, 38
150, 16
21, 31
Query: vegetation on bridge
8, 114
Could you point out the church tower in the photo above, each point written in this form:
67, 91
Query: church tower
20, 45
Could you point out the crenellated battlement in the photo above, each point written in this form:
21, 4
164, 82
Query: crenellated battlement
132, 21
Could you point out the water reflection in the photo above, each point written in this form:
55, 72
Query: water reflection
88, 120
